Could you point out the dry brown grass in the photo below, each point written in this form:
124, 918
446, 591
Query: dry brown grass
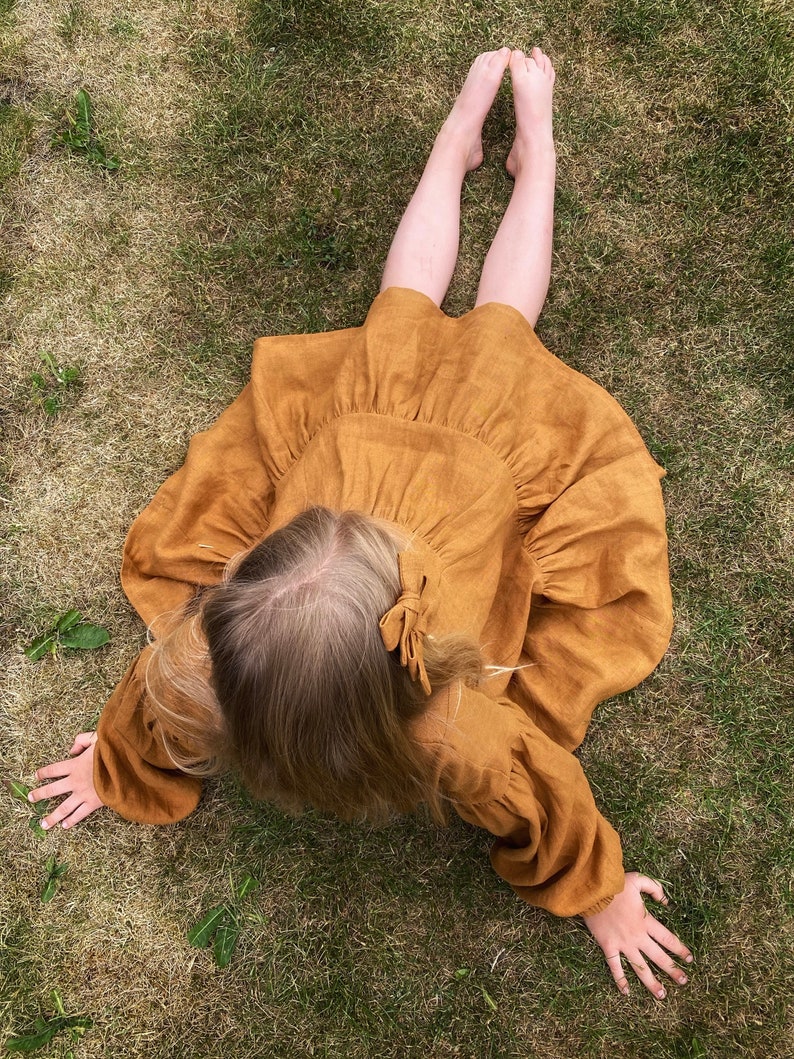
93, 255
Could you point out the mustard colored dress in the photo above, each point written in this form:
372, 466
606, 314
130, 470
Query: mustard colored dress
523, 483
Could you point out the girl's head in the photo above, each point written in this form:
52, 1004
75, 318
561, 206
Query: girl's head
313, 708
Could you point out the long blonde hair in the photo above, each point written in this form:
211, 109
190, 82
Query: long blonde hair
280, 671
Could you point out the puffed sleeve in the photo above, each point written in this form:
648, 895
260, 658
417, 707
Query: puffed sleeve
504, 774
133, 773
214, 507
601, 612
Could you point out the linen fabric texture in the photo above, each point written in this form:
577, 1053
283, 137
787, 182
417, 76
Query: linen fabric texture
532, 504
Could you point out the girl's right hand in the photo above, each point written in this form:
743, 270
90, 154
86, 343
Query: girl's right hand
626, 930
74, 777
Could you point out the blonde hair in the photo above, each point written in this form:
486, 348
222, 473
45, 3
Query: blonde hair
280, 671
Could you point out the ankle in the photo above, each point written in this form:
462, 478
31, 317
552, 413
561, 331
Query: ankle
533, 158
454, 148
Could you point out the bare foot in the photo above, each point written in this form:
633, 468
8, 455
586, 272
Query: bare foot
463, 127
533, 86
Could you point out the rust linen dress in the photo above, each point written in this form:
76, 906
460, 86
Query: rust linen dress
524, 485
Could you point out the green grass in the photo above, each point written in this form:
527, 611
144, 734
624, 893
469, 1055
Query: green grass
71, 22
267, 152
15, 135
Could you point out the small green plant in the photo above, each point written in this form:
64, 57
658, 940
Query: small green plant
43, 1030
221, 925
69, 631
489, 1000
54, 872
465, 972
21, 791
79, 136
51, 386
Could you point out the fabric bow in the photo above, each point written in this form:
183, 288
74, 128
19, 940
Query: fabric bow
406, 623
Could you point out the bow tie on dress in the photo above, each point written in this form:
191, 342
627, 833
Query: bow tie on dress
405, 625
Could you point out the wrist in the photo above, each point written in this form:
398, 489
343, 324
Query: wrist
599, 906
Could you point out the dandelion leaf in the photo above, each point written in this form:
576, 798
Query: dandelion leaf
85, 636
225, 942
39, 647
200, 935
68, 620
19, 790
248, 884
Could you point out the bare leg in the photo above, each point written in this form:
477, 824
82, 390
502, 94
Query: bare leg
425, 246
518, 266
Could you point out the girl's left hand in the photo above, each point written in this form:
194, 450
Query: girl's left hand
626, 929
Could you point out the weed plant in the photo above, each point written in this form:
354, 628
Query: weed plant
268, 150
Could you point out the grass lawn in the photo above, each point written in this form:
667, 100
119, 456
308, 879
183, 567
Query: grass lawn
265, 153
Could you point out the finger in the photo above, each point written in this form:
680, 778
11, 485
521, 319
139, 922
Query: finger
61, 812
665, 937
646, 975
82, 742
82, 812
51, 790
646, 885
54, 771
656, 954
616, 967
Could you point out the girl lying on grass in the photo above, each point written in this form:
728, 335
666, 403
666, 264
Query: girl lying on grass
405, 565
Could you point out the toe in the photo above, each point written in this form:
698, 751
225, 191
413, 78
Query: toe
500, 58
